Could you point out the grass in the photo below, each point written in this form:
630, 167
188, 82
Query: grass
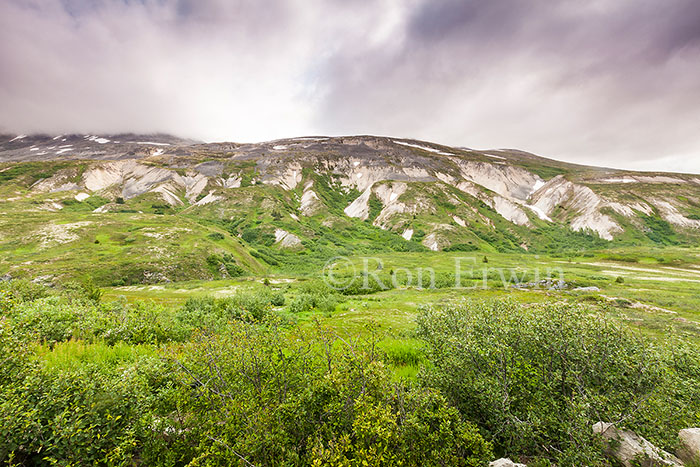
134, 251
657, 301
65, 356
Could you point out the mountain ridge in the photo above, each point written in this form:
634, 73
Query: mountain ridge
310, 193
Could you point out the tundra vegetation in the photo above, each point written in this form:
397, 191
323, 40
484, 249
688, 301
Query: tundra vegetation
269, 375
340, 301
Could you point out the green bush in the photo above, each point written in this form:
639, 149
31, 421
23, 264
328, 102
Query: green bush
536, 378
226, 262
299, 399
461, 247
58, 319
92, 415
315, 296
214, 313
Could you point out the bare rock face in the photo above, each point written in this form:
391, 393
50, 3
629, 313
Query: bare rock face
632, 450
286, 239
689, 450
505, 462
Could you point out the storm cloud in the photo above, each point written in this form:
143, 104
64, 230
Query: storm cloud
604, 82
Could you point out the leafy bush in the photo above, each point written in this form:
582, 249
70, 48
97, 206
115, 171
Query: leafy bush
214, 313
226, 262
536, 378
659, 231
58, 319
258, 396
216, 236
461, 247
21, 290
316, 296
92, 415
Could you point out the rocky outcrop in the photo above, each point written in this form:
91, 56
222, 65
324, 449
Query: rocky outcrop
310, 203
409, 177
505, 462
286, 239
689, 450
580, 200
631, 450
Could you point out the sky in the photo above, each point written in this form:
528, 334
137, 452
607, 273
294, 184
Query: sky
603, 82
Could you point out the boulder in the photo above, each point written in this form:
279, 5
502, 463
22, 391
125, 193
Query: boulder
689, 450
632, 450
505, 462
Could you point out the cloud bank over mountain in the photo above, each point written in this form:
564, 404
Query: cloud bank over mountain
603, 82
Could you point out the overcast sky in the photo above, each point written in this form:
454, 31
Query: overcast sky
605, 82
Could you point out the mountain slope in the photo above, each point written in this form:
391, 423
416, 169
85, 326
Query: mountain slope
144, 203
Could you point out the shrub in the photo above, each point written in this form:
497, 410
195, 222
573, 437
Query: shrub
226, 262
536, 378
22, 290
58, 319
214, 313
310, 399
314, 296
461, 247
92, 415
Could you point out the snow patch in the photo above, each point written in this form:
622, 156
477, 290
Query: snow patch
671, 214
459, 221
18, 137
510, 211
310, 201
620, 180
538, 184
494, 156
424, 148
167, 195
508, 181
152, 143
580, 199
231, 182
407, 234
97, 139
81, 196
540, 213
431, 242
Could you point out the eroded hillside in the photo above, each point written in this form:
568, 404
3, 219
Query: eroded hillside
161, 208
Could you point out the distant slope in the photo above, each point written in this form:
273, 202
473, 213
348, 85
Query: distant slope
291, 203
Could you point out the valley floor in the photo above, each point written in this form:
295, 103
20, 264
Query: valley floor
655, 291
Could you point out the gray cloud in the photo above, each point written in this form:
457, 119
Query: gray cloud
602, 82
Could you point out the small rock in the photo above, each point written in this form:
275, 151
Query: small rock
586, 289
633, 450
689, 450
505, 462
43, 280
